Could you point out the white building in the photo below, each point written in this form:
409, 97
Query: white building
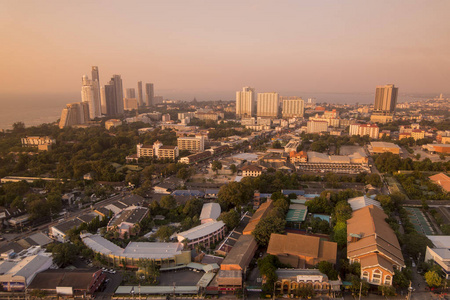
204, 234
90, 94
246, 102
293, 107
440, 253
372, 130
314, 126
267, 105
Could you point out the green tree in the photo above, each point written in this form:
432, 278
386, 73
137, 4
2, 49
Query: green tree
164, 232
168, 202
233, 168
234, 194
216, 166
64, 254
327, 268
230, 218
340, 234
433, 278
266, 227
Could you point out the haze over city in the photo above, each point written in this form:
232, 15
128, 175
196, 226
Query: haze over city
208, 50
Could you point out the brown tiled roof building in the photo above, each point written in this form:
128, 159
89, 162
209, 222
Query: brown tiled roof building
373, 243
301, 251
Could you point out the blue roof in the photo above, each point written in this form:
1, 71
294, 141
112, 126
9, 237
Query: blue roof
297, 192
195, 193
263, 195
322, 217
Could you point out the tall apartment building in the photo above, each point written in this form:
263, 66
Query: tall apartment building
116, 81
96, 82
246, 103
293, 107
108, 97
140, 98
74, 114
194, 144
130, 93
372, 130
385, 98
149, 94
158, 150
315, 126
89, 94
267, 105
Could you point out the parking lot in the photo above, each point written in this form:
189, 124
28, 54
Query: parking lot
180, 278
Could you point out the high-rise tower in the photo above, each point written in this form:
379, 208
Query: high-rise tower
108, 94
130, 93
268, 105
140, 99
89, 95
246, 103
116, 80
385, 98
149, 94
293, 107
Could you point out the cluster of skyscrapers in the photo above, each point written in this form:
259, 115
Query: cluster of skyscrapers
107, 100
267, 105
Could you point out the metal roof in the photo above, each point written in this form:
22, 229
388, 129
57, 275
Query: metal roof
200, 231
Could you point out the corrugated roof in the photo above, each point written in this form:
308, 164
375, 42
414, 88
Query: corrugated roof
200, 230
210, 211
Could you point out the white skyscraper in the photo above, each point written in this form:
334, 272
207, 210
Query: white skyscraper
89, 94
267, 105
246, 102
293, 107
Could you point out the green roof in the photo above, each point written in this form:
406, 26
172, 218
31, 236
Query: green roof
296, 215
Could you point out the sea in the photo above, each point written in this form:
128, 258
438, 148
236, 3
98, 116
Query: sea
37, 109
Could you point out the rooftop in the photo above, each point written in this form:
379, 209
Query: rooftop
363, 201
200, 231
210, 211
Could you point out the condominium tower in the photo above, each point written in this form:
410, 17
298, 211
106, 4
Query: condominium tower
74, 114
89, 94
385, 98
246, 102
267, 105
149, 94
293, 107
130, 93
108, 96
140, 99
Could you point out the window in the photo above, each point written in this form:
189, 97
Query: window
365, 275
388, 280
376, 276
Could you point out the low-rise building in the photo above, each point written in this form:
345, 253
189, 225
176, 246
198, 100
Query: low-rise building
301, 251
16, 276
440, 252
162, 254
442, 180
290, 281
251, 171
205, 234
210, 212
317, 126
382, 147
157, 150
297, 157
43, 143
112, 123
127, 222
373, 244
77, 283
437, 148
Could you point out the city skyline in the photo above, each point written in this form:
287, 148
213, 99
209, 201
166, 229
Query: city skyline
325, 47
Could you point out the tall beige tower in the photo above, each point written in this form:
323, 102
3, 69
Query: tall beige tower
385, 98
267, 105
246, 102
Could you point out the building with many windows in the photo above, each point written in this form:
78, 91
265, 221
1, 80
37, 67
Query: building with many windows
74, 114
372, 130
267, 105
158, 150
246, 102
194, 144
317, 126
293, 107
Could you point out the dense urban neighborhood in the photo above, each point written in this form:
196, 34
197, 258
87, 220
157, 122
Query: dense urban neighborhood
265, 196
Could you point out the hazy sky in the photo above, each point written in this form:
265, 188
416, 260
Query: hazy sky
213, 48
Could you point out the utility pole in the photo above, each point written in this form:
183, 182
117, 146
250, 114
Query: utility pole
410, 289
360, 289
